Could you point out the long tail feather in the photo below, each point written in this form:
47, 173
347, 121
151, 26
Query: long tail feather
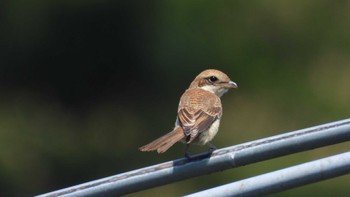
163, 143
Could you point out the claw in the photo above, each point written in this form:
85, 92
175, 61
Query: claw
188, 156
212, 147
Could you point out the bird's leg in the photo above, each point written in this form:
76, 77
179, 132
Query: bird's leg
212, 147
187, 155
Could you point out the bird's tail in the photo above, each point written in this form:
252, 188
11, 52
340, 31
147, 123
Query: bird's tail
163, 143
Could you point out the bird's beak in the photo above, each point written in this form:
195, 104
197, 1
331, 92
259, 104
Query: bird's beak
232, 84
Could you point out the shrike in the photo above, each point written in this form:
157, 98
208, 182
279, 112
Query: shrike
199, 113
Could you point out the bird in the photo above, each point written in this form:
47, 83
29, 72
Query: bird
199, 113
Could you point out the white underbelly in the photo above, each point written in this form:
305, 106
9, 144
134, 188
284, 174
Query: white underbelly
209, 134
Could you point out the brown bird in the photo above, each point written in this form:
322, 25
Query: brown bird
199, 113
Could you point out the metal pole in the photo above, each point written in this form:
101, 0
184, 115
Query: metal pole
233, 156
284, 179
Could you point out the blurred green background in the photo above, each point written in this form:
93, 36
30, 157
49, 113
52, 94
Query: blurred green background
83, 84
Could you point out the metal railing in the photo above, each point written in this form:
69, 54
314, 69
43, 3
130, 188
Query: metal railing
231, 157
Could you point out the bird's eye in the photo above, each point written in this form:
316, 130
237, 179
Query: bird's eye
213, 79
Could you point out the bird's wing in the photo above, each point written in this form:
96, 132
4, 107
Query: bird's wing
198, 109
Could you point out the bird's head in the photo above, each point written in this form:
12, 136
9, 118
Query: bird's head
213, 81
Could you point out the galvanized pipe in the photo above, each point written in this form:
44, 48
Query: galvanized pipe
221, 159
284, 179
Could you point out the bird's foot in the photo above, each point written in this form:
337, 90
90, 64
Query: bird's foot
212, 147
188, 156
